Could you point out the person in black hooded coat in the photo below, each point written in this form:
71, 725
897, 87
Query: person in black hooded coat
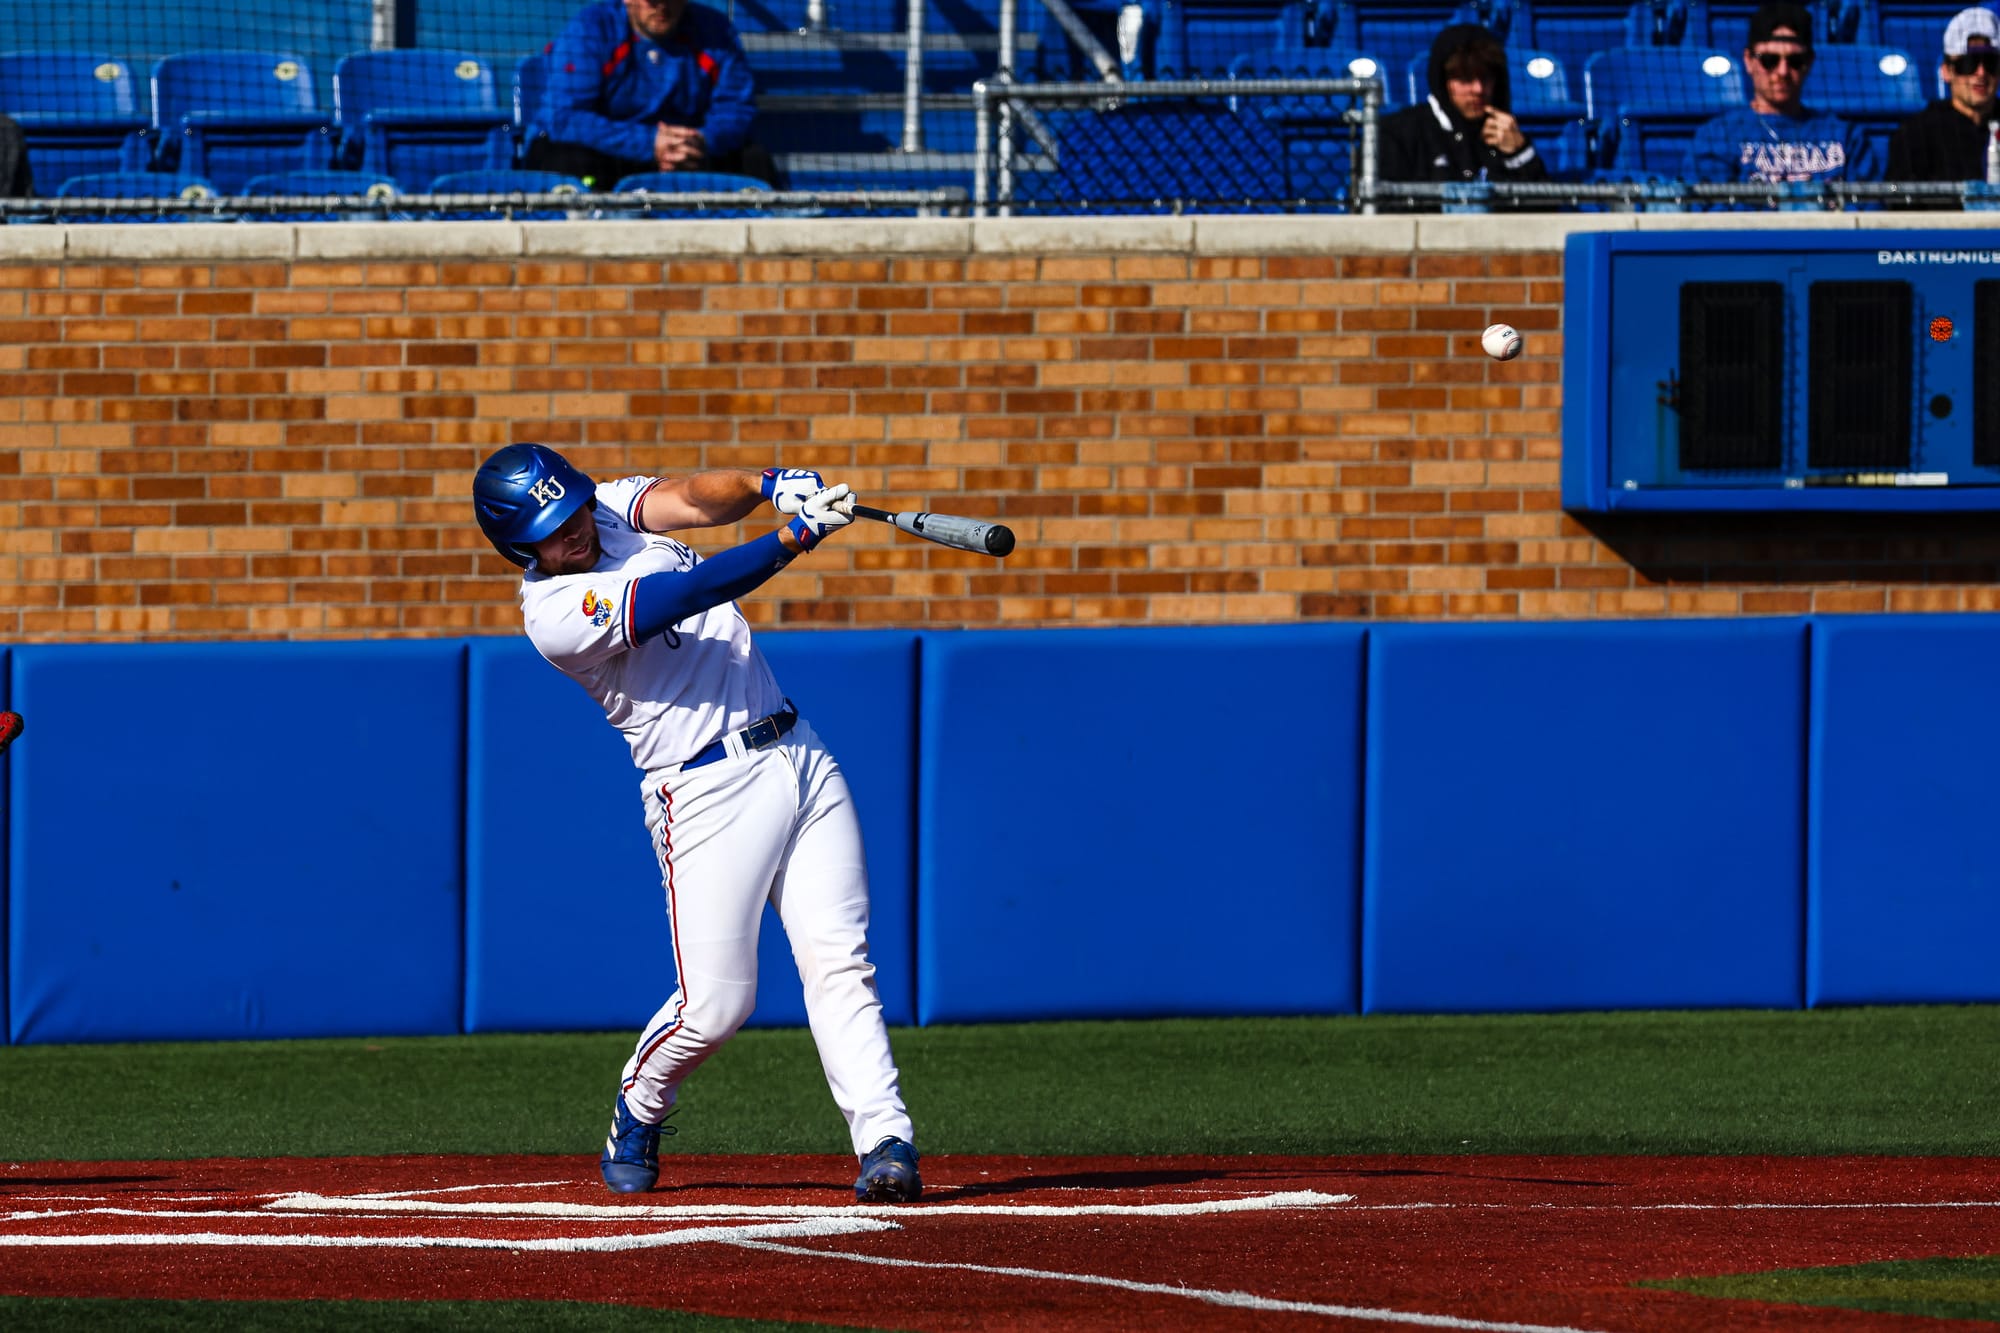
1463, 131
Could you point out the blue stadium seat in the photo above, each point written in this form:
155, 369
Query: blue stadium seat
134, 185
1874, 87
1318, 143
1538, 80
1198, 39
1857, 80
509, 180
1916, 26
368, 184
1319, 62
513, 180
231, 115
1551, 112
1574, 30
1398, 32
691, 182
1721, 24
79, 114
1646, 102
700, 182
416, 115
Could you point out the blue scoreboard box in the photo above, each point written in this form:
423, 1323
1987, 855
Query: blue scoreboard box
1770, 370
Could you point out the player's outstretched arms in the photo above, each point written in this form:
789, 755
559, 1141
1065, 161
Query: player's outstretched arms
667, 598
702, 500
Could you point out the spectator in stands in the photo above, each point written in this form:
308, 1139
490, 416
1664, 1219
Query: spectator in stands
647, 85
16, 180
1463, 131
1947, 140
1777, 137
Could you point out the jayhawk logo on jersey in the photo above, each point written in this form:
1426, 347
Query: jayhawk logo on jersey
597, 608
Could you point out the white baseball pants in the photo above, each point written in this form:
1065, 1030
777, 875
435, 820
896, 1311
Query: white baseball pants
775, 824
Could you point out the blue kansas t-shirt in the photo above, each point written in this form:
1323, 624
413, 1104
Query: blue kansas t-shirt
1743, 145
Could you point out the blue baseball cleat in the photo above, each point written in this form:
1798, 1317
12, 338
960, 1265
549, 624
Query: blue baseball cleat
631, 1160
889, 1174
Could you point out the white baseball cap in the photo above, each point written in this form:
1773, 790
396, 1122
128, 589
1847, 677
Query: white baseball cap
1968, 24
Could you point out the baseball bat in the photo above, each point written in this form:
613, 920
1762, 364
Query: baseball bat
953, 530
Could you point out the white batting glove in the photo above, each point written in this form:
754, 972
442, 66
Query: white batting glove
788, 487
817, 516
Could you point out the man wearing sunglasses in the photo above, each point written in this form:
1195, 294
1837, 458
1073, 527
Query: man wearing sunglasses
1947, 140
1777, 137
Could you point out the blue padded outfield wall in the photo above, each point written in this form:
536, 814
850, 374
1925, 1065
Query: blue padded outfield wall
566, 923
1585, 816
1108, 829
1905, 888
289, 839
236, 840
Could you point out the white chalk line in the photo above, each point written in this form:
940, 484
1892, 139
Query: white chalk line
661, 1212
1241, 1300
451, 1189
808, 1227
1677, 1207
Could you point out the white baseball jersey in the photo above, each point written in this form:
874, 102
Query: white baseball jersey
674, 693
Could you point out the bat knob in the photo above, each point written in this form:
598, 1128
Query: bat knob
999, 539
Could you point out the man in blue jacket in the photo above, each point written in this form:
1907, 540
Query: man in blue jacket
647, 85
1777, 137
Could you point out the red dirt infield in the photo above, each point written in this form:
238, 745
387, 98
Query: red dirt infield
1039, 1243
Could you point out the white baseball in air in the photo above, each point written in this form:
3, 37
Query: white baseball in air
1501, 341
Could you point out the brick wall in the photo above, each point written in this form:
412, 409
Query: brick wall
269, 432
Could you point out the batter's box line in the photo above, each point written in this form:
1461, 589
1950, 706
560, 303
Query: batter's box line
373, 1205
805, 1229
1239, 1300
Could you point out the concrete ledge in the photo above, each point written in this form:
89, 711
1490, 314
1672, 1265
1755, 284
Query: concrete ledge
860, 236
1304, 235
1487, 232
650, 239
409, 240
1902, 221
153, 241
890, 237
23, 243
1149, 235
1761, 221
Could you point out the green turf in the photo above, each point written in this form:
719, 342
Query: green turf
1937, 1288
23, 1315
1916, 1080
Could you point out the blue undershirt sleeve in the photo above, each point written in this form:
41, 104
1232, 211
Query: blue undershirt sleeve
660, 600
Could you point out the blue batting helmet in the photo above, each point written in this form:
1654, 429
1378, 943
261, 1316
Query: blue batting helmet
525, 492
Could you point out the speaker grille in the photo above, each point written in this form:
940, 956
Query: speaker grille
1986, 373
1732, 375
1859, 354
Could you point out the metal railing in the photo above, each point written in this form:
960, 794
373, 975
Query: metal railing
205, 207
1257, 162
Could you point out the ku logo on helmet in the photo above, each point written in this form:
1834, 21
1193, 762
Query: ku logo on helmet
547, 489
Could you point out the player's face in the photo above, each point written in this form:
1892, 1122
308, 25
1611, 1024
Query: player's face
1469, 96
1777, 68
655, 18
1972, 91
572, 548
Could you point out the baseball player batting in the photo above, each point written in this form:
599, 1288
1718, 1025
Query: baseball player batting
743, 802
